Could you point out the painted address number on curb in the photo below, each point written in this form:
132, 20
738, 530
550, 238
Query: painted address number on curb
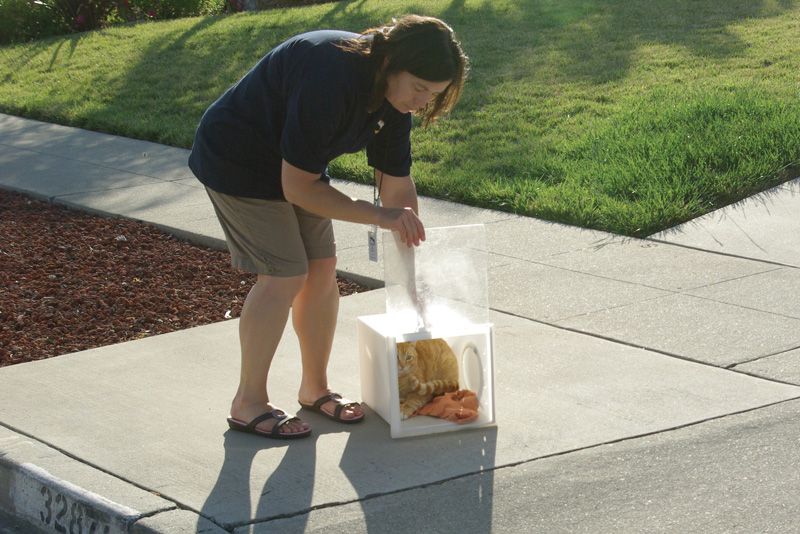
62, 514
58, 505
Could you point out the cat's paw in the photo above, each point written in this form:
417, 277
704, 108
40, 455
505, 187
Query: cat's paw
405, 411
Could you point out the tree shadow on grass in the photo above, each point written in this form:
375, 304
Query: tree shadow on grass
597, 42
13, 62
179, 75
343, 8
547, 74
510, 43
158, 87
73, 46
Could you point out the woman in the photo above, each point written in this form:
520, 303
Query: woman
262, 150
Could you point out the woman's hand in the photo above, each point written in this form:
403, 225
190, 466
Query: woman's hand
306, 190
399, 198
404, 221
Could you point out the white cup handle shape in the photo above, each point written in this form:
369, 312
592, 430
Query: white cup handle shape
472, 367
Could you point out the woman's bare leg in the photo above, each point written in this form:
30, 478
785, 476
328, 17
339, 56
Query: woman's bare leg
314, 313
261, 325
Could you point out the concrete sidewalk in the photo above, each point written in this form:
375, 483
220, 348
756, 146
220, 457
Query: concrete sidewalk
641, 385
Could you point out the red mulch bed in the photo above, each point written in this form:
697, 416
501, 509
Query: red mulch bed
72, 281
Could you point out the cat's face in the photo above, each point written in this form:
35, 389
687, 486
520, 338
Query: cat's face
406, 357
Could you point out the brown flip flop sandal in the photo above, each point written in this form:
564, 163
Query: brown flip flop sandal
275, 432
341, 404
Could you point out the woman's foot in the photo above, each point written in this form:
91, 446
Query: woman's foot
244, 414
333, 406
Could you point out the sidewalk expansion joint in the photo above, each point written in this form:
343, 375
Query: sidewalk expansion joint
599, 310
729, 367
686, 291
771, 269
733, 366
754, 375
728, 254
505, 466
759, 310
139, 515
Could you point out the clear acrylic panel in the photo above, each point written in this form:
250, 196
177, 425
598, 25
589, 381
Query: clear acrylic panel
441, 283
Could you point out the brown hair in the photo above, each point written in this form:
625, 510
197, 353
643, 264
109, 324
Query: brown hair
425, 47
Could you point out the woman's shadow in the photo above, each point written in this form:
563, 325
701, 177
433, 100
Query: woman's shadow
447, 479
376, 466
238, 498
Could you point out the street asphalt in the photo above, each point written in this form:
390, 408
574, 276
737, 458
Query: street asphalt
640, 385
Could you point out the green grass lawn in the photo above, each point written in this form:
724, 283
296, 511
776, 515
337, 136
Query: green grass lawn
629, 116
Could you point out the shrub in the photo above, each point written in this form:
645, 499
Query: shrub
168, 9
82, 15
23, 20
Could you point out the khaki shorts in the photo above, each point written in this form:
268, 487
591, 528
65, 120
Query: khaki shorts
272, 236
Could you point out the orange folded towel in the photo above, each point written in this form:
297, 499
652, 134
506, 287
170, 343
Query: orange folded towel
457, 406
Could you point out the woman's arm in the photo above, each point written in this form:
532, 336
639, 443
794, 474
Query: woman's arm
397, 191
308, 191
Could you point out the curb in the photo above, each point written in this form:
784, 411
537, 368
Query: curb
56, 505
56, 493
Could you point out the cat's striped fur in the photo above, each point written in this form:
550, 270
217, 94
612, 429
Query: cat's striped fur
425, 368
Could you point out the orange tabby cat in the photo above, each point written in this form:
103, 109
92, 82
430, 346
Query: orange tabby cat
425, 368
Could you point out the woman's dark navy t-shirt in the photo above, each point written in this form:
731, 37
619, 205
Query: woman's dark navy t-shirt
305, 102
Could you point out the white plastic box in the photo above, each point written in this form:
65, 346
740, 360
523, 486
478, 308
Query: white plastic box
436, 290
378, 361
